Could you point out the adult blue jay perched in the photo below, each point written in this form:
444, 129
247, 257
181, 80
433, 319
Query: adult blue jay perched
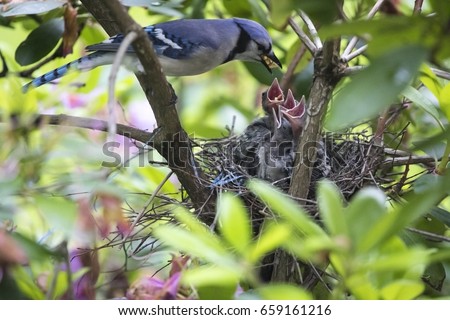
184, 48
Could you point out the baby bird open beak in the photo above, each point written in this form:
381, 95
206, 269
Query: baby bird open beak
294, 112
272, 97
270, 61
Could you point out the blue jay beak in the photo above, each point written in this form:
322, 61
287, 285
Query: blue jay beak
270, 61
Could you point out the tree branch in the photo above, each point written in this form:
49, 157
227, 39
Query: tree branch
303, 37
95, 124
327, 73
172, 141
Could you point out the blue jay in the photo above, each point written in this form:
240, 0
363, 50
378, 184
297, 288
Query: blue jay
184, 48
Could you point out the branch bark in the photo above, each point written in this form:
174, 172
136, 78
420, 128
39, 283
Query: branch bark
171, 141
327, 73
95, 124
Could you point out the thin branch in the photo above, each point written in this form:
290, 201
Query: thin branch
144, 209
354, 54
396, 152
95, 124
312, 29
352, 43
418, 6
375, 9
287, 77
349, 71
306, 41
441, 73
429, 235
4, 72
401, 161
112, 119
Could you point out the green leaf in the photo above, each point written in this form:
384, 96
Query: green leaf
34, 251
286, 208
283, 292
388, 33
423, 102
197, 227
40, 42
365, 209
313, 248
27, 284
212, 282
237, 8
399, 261
259, 72
273, 235
59, 213
430, 80
188, 242
257, 10
435, 276
442, 215
361, 287
444, 100
330, 203
281, 10
403, 289
210, 275
372, 90
320, 11
416, 205
29, 7
234, 223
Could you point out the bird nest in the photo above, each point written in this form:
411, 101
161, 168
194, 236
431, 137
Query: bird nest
350, 160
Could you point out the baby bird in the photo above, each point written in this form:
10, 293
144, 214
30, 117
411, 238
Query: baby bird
266, 149
277, 156
245, 154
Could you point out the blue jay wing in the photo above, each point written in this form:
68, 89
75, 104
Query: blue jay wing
164, 44
112, 44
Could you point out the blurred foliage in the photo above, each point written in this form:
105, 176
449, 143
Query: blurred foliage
59, 202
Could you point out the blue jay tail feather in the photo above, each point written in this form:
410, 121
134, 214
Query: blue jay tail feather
84, 63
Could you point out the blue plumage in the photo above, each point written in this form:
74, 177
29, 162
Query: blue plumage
184, 47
